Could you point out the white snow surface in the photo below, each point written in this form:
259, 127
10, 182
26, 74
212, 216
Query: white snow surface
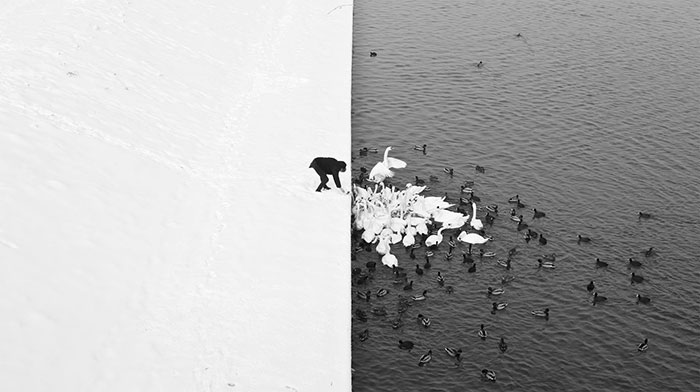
159, 229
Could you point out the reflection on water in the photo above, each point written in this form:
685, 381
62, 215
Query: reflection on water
590, 116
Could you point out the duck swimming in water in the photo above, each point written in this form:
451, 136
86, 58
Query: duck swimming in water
644, 215
419, 270
498, 306
644, 300
420, 148
503, 346
636, 278
649, 252
425, 358
545, 264
538, 214
643, 346
440, 279
590, 286
541, 313
598, 298
583, 239
421, 297
409, 286
542, 240
496, 291
488, 375
425, 321
482, 332
634, 263
600, 264
406, 345
472, 269
364, 335
454, 352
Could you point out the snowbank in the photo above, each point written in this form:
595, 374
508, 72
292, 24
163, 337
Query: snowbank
159, 227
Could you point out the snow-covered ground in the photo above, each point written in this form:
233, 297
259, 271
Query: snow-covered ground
158, 225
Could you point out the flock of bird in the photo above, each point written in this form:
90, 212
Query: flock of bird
384, 215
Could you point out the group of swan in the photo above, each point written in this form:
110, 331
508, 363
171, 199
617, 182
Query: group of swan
387, 215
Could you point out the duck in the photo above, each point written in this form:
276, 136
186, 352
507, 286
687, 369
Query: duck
480, 169
412, 254
472, 268
507, 279
451, 243
643, 346
373, 150
590, 286
649, 252
542, 240
397, 323
482, 332
427, 264
498, 306
518, 218
434, 178
429, 253
598, 298
449, 254
362, 279
425, 358
364, 335
424, 320
449, 289
408, 286
538, 214
549, 257
636, 278
406, 345
583, 239
496, 291
527, 237
600, 264
642, 299
489, 254
440, 279
371, 265
644, 215
634, 263
372, 54
532, 233
421, 297
465, 189
541, 313
514, 199
504, 263
454, 352
361, 315
519, 204
382, 292
449, 170
545, 264
513, 212
522, 226
364, 295
488, 375
380, 311
467, 258
489, 218
418, 147
419, 270
419, 181
502, 345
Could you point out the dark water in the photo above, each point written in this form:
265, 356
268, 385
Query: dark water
591, 116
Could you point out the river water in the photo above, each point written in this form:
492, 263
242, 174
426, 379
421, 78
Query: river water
590, 115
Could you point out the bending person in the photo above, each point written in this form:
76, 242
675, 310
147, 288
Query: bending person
325, 167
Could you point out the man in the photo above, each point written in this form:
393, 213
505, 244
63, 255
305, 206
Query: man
326, 166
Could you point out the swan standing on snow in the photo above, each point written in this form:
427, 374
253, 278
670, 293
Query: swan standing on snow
382, 169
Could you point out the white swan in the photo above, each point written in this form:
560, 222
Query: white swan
390, 260
434, 239
475, 223
471, 238
382, 169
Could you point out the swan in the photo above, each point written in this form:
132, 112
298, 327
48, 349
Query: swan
471, 238
390, 260
408, 240
435, 239
475, 223
425, 358
382, 169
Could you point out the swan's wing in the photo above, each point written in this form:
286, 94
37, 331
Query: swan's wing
379, 172
394, 163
